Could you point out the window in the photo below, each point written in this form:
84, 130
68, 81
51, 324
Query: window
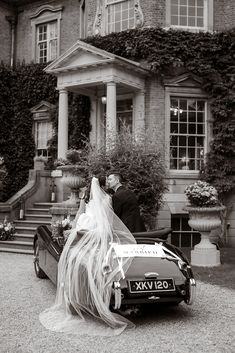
120, 15
45, 22
190, 14
187, 133
47, 37
183, 235
124, 114
43, 133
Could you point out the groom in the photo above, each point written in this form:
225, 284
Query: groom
125, 204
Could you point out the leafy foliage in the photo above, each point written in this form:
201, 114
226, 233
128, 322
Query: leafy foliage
20, 90
142, 169
207, 55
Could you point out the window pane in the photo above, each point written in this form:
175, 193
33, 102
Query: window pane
200, 3
192, 117
192, 141
174, 128
173, 152
183, 104
201, 106
191, 2
183, 21
200, 12
183, 117
182, 140
200, 22
183, 128
200, 129
191, 11
188, 151
191, 104
192, 129
183, 10
174, 10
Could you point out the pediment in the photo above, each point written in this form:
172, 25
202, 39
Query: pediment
186, 80
43, 106
80, 55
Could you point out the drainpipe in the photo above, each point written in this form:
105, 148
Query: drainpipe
12, 20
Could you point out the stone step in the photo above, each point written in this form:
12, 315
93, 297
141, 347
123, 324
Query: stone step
38, 211
38, 217
17, 251
15, 244
44, 205
25, 230
26, 223
24, 237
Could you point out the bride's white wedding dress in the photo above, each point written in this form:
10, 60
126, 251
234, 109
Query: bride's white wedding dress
86, 273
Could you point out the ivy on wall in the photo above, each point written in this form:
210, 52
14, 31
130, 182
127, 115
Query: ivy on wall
20, 90
210, 56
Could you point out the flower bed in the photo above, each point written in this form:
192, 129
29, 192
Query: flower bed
7, 230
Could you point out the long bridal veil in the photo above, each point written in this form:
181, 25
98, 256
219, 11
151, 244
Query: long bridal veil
87, 270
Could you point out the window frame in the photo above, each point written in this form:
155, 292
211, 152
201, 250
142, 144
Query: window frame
208, 18
45, 16
111, 3
36, 130
187, 93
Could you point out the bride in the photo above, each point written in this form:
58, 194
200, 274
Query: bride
86, 272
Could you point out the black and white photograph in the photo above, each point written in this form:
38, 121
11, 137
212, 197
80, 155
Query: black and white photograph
117, 176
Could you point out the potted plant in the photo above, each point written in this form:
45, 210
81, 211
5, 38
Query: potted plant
204, 215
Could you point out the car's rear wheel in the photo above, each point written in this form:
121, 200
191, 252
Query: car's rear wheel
39, 272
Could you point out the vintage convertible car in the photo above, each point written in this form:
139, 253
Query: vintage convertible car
159, 272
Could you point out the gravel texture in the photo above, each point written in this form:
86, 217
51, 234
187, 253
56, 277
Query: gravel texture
205, 327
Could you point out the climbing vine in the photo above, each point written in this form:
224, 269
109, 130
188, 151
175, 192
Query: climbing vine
210, 56
21, 89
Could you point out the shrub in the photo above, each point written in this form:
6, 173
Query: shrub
141, 166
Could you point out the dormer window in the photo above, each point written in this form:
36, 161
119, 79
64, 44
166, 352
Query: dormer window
120, 15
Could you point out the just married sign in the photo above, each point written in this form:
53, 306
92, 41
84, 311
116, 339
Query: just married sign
139, 250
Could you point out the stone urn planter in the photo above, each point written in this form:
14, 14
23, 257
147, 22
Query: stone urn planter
74, 182
205, 219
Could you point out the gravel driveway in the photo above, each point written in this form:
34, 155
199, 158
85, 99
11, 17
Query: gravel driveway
207, 326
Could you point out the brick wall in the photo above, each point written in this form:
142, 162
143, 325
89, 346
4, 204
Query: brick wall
70, 27
5, 34
224, 14
155, 111
154, 12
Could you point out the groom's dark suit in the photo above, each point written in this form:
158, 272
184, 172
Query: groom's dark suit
126, 207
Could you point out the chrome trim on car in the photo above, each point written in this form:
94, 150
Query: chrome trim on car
151, 275
117, 295
192, 291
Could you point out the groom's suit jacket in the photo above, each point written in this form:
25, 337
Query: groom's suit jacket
126, 207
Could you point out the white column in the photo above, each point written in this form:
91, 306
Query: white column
63, 124
93, 121
139, 114
111, 113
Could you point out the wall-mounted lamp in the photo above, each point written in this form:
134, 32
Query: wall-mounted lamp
103, 99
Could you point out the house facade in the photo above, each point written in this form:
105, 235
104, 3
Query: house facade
177, 109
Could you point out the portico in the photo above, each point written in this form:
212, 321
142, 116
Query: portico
93, 72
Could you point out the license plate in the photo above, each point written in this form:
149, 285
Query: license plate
151, 285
